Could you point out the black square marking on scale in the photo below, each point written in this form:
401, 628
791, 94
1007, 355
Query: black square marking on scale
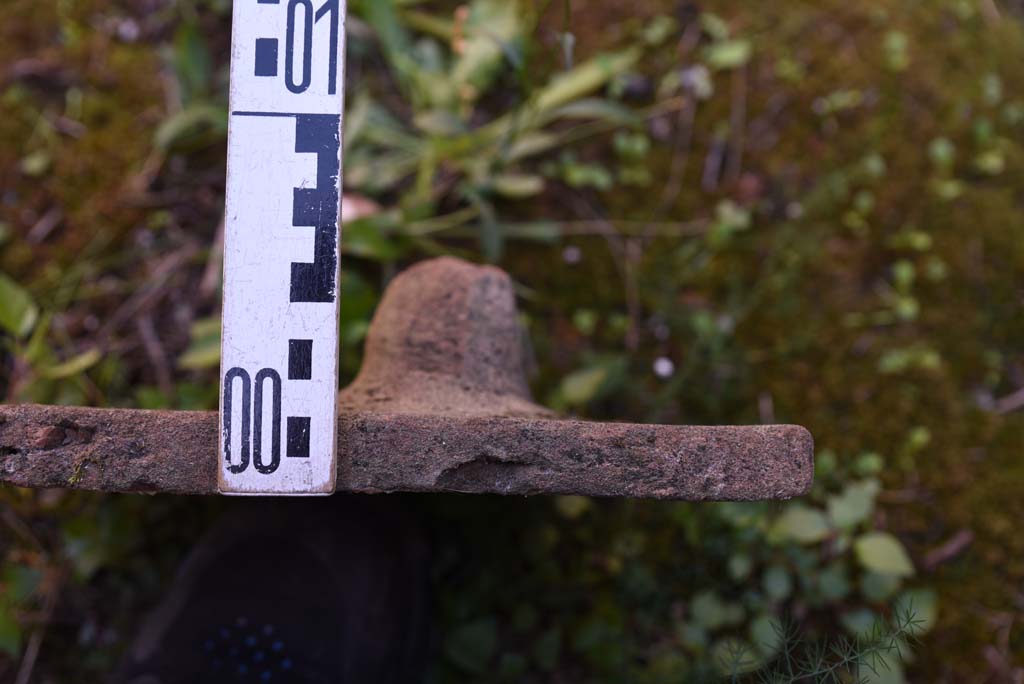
298, 437
300, 359
266, 57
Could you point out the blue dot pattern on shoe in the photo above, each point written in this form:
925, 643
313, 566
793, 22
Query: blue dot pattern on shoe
246, 652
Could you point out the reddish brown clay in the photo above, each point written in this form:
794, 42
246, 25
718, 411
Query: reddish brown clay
441, 405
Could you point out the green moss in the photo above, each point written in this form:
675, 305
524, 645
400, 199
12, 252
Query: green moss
76, 476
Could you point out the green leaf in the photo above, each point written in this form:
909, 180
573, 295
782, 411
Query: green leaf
518, 185
708, 610
631, 146
383, 18
538, 231
10, 631
580, 175
728, 54
18, 313
714, 25
439, 122
766, 634
854, 505
735, 656
659, 29
923, 607
192, 63
580, 387
84, 544
942, 152
859, 622
572, 507
777, 583
190, 124
876, 587
740, 566
833, 582
711, 612
530, 144
599, 109
492, 34
492, 242
884, 554
367, 238
801, 524
887, 670
839, 101
73, 366
19, 582
693, 636
547, 649
147, 397
472, 646
896, 50
511, 667
204, 349
358, 300
585, 78
947, 189
36, 163
730, 219
991, 162
424, 22
869, 463
992, 87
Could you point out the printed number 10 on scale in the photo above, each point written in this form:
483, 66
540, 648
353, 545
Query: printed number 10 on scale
279, 346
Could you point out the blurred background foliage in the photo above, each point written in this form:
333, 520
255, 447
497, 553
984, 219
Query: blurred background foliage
715, 212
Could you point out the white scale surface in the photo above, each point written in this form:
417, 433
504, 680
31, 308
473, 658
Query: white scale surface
279, 343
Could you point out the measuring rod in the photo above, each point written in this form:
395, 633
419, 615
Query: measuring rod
279, 342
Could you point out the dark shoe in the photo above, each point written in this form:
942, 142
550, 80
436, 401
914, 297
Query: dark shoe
293, 591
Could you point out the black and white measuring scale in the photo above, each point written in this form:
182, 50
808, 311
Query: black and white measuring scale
279, 342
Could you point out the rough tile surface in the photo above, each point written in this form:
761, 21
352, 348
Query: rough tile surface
440, 405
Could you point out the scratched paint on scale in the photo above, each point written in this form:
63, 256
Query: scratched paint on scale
279, 344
